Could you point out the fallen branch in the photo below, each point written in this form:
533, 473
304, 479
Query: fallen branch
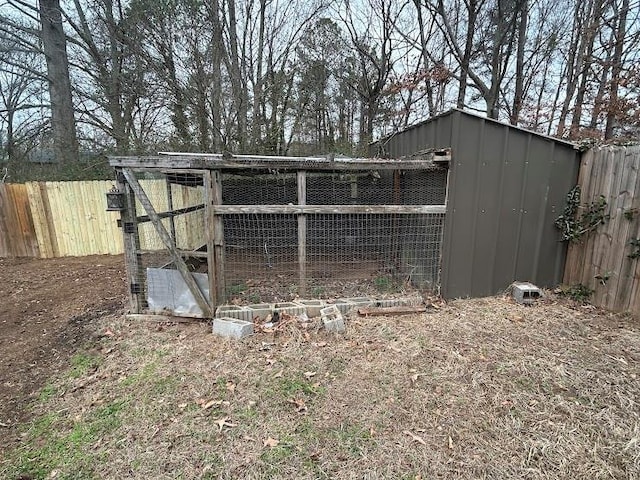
398, 310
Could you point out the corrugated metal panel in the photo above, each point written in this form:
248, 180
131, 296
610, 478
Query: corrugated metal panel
507, 186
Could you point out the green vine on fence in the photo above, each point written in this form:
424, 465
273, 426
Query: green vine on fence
572, 224
635, 244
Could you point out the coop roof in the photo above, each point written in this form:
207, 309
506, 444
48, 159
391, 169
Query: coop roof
227, 161
479, 117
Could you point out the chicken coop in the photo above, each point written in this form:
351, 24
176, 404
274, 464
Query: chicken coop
205, 229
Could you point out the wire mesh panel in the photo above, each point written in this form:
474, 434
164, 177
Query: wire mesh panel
178, 201
263, 235
345, 253
416, 187
374, 250
261, 254
262, 188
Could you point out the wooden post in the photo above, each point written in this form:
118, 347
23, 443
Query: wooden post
166, 239
131, 240
172, 223
213, 196
215, 236
302, 232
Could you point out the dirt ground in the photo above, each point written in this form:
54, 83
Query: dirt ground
476, 388
44, 309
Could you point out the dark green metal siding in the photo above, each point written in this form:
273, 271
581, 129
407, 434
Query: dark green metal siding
506, 187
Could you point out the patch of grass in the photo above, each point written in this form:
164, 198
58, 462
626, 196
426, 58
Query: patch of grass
237, 289
277, 457
254, 298
579, 293
83, 363
382, 283
317, 292
47, 392
142, 376
52, 445
352, 438
292, 386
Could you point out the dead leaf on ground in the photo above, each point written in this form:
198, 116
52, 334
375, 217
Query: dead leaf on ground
224, 423
299, 404
210, 403
279, 374
450, 442
309, 374
320, 344
231, 387
416, 438
248, 438
270, 442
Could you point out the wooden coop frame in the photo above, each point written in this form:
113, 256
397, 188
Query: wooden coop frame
210, 168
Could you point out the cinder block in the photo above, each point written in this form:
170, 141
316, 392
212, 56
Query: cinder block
288, 307
312, 307
332, 319
359, 301
344, 305
526, 293
232, 327
390, 302
234, 311
260, 310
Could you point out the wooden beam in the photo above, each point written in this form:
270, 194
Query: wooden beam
302, 233
209, 222
170, 214
329, 209
131, 241
148, 317
218, 161
218, 235
199, 297
399, 310
172, 222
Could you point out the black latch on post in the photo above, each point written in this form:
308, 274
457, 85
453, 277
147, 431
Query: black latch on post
136, 288
129, 227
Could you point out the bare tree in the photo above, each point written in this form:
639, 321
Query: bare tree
54, 44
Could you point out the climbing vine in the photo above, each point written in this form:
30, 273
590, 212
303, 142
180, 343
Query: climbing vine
574, 225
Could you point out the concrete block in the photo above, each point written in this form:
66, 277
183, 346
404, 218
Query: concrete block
234, 311
288, 307
332, 319
232, 327
359, 301
344, 305
526, 293
260, 310
390, 302
312, 307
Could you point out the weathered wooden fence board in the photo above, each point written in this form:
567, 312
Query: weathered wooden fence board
57, 219
612, 172
17, 232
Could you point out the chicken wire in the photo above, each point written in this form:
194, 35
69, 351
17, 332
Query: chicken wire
346, 254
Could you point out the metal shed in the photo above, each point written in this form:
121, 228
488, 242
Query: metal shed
507, 185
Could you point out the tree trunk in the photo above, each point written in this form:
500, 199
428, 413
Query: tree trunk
522, 39
238, 85
616, 71
54, 44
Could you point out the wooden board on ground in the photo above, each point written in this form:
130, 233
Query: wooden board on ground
398, 310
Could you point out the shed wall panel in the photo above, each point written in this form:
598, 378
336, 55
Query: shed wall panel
506, 188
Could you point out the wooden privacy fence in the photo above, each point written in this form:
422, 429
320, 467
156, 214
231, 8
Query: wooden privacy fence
607, 259
58, 219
